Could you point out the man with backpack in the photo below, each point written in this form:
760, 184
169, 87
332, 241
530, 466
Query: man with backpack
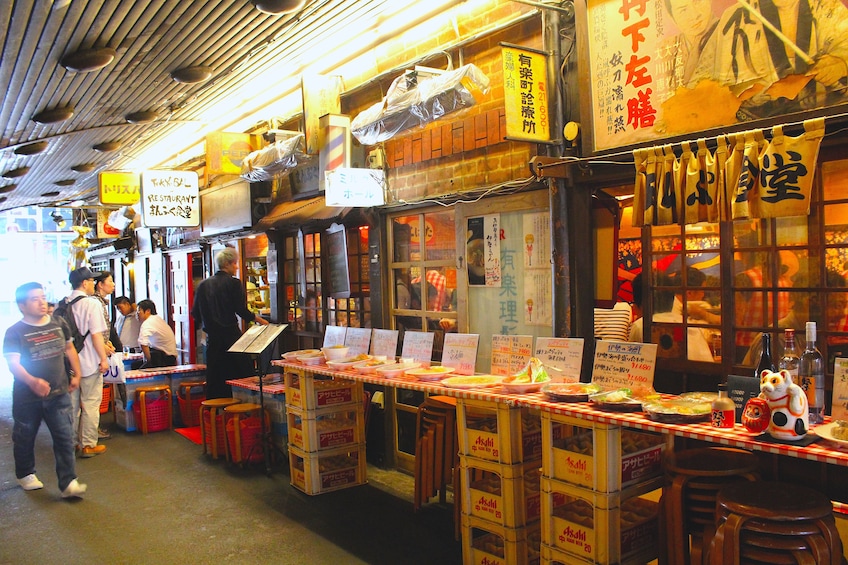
90, 325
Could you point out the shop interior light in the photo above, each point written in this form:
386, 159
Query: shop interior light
58, 219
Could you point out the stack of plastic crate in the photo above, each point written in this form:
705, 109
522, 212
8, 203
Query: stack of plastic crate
500, 469
595, 478
326, 439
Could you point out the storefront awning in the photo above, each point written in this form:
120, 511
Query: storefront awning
300, 212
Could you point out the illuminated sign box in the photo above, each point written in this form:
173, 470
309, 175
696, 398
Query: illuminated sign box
120, 188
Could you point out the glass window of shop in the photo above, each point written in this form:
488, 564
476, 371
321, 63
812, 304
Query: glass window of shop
353, 310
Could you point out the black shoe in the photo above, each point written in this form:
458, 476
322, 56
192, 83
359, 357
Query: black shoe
103, 433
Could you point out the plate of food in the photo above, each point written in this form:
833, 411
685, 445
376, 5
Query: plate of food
570, 392
529, 379
370, 366
617, 400
347, 363
311, 358
432, 373
678, 409
293, 355
472, 381
836, 431
395, 369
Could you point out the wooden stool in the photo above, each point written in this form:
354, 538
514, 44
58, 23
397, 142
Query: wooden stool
687, 507
773, 522
233, 416
190, 403
154, 418
436, 453
212, 410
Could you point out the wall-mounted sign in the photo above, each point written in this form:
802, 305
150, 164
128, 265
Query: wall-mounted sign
104, 230
225, 151
119, 188
321, 95
355, 187
526, 94
170, 199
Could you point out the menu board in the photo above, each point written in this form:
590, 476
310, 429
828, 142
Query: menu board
337, 258
334, 335
510, 353
384, 342
563, 353
460, 352
418, 346
839, 407
624, 364
358, 339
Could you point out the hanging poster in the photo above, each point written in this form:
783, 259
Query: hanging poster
483, 250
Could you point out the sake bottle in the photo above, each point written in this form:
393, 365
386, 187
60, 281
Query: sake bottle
765, 356
811, 375
790, 359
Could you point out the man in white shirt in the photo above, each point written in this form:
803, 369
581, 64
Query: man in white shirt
128, 324
155, 337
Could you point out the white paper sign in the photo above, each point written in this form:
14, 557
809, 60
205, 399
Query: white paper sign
624, 364
334, 335
460, 352
510, 353
418, 346
359, 340
384, 342
355, 187
563, 353
170, 199
839, 407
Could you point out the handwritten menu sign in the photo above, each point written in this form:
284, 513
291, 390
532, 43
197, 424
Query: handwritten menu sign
510, 353
384, 342
563, 353
334, 335
358, 339
170, 199
460, 352
839, 408
624, 364
418, 346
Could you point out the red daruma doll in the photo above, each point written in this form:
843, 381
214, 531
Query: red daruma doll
757, 415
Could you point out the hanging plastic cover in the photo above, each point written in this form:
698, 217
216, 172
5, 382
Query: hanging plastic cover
274, 160
404, 108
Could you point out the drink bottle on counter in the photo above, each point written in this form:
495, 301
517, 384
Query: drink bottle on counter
723, 413
765, 356
811, 375
790, 359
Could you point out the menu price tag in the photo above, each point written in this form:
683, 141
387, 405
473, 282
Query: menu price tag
839, 406
358, 339
384, 342
563, 353
510, 353
627, 364
418, 346
460, 352
334, 335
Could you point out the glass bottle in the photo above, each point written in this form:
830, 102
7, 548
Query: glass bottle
811, 375
790, 359
723, 413
765, 356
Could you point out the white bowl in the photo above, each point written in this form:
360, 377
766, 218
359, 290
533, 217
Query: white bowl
312, 359
335, 353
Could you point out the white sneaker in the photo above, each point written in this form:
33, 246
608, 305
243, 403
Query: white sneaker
30, 482
74, 489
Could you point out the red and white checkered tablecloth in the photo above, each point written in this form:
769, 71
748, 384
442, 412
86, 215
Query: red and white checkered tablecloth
252, 383
822, 451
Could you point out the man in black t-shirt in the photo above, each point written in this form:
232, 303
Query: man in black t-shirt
35, 348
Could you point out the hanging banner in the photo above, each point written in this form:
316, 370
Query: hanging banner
120, 188
170, 199
525, 81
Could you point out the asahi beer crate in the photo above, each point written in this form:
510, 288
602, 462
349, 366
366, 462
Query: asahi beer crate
306, 391
326, 471
601, 528
601, 457
329, 428
507, 495
485, 543
498, 432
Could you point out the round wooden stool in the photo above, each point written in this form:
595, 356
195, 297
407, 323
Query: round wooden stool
243, 433
189, 401
153, 408
212, 424
774, 522
693, 478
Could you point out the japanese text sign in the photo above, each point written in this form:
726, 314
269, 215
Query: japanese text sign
384, 342
565, 354
460, 352
170, 199
355, 187
624, 364
418, 346
510, 353
119, 188
839, 407
526, 94
358, 339
334, 335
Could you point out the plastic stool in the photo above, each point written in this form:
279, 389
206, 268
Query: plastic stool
211, 413
774, 522
692, 479
190, 403
235, 418
153, 419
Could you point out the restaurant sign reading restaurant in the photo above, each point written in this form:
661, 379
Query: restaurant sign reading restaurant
170, 199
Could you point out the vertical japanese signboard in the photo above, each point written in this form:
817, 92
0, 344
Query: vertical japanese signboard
170, 199
525, 94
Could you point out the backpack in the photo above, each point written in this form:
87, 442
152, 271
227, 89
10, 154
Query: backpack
64, 312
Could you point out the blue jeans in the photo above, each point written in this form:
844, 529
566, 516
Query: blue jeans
56, 412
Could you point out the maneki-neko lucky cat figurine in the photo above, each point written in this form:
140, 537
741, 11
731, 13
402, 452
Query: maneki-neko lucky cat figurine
790, 414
